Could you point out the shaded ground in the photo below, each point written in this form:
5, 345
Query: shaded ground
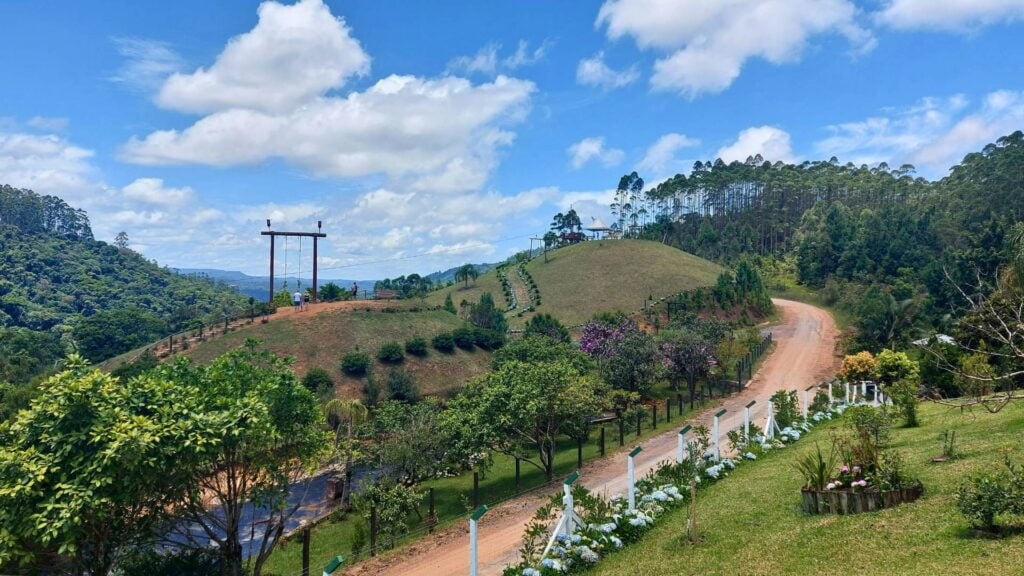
803, 355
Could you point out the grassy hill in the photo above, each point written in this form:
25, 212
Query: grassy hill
320, 340
581, 280
752, 524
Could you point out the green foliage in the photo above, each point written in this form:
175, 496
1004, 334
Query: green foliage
416, 346
463, 337
14, 397
892, 367
787, 408
466, 273
372, 389
331, 292
633, 367
283, 299
402, 386
816, 467
144, 363
355, 363
488, 339
319, 382
444, 342
410, 443
265, 427
485, 315
112, 332
987, 495
546, 325
394, 503
409, 286
521, 408
391, 353
448, 305
821, 402
869, 421
125, 451
858, 367
147, 561
532, 349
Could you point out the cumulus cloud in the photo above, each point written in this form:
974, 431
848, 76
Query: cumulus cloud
488, 60
48, 164
950, 15
295, 53
266, 97
661, 156
594, 72
770, 142
933, 134
707, 43
153, 191
589, 149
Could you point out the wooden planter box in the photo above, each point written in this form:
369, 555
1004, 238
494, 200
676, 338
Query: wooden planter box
848, 502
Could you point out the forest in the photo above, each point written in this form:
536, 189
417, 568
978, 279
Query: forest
888, 247
63, 291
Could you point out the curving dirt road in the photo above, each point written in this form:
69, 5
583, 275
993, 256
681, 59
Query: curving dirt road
804, 355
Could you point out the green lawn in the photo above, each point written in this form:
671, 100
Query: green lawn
752, 524
453, 495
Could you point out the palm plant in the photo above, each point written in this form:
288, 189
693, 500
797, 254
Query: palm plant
345, 413
816, 467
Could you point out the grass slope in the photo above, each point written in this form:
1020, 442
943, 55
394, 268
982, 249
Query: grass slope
752, 523
321, 339
605, 275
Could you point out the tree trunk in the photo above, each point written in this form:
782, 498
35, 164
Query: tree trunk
231, 557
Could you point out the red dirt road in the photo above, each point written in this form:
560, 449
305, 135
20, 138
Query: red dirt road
804, 354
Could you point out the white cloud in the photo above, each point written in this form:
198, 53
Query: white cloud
153, 191
294, 54
147, 63
707, 43
266, 100
951, 15
593, 149
594, 72
933, 135
661, 156
488, 60
48, 164
770, 142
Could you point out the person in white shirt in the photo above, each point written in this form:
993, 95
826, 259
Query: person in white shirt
297, 300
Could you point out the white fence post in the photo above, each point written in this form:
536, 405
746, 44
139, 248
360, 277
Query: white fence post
863, 391
875, 401
769, 426
714, 434
829, 393
630, 470
681, 444
746, 421
472, 539
568, 506
848, 393
807, 401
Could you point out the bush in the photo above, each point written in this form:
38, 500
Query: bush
416, 346
146, 561
547, 325
391, 353
988, 494
821, 402
318, 381
463, 338
372, 390
904, 396
870, 421
402, 386
355, 363
443, 342
488, 339
787, 410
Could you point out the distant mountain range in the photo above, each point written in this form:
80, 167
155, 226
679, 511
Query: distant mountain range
256, 286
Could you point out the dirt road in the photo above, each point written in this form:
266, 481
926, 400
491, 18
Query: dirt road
804, 355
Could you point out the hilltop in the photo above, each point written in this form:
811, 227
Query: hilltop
60, 289
581, 280
320, 339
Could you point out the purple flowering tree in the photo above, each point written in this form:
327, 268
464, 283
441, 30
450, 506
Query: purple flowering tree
687, 355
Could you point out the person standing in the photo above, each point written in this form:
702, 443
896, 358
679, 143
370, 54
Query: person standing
355, 291
297, 300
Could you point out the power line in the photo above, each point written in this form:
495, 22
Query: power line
412, 257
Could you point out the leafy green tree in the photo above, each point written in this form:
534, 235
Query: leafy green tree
686, 356
268, 435
402, 386
449, 306
113, 332
633, 365
121, 240
520, 410
409, 443
548, 326
94, 465
487, 316
533, 348
331, 292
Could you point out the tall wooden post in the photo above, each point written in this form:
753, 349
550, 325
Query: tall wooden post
270, 298
314, 269
305, 551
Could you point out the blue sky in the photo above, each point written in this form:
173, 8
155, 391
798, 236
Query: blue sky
427, 134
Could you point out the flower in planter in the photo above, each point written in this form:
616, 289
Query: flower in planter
830, 486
